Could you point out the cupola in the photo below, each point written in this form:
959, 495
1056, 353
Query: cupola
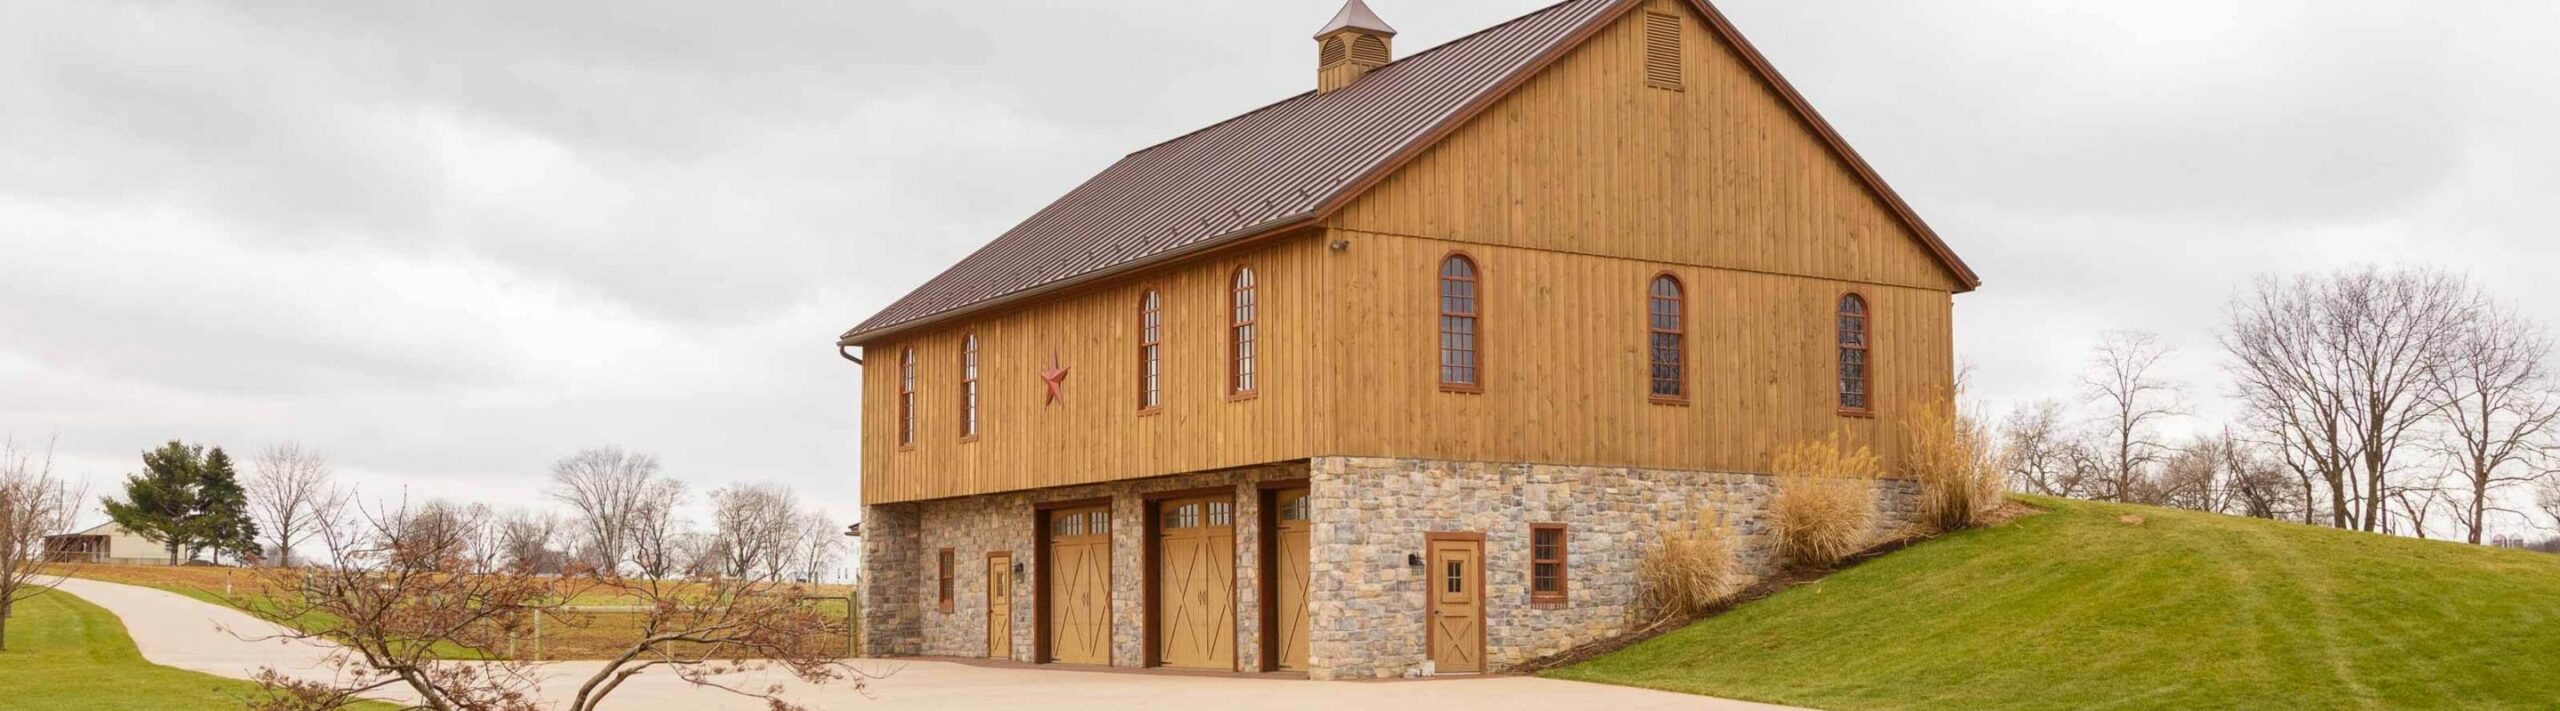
1355, 42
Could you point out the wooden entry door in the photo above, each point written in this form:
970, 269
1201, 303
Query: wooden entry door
1456, 579
1289, 580
1195, 583
1000, 605
1078, 600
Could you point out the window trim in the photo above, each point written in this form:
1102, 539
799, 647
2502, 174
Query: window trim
1866, 349
947, 579
907, 399
1440, 305
1679, 333
1562, 561
972, 397
1237, 328
1150, 350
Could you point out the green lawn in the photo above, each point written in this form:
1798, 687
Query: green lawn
2075, 608
68, 655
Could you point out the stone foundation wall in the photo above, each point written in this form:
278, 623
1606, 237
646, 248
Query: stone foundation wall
1368, 606
901, 552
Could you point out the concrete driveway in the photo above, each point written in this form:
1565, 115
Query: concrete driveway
178, 631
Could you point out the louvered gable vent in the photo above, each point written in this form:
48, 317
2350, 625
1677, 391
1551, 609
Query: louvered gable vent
1662, 50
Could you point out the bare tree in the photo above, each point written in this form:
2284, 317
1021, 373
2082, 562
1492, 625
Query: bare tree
2498, 410
380, 622
2192, 478
606, 488
439, 534
529, 540
287, 487
34, 504
2333, 370
657, 531
2546, 496
753, 525
2415, 504
2257, 488
815, 550
2121, 379
2042, 456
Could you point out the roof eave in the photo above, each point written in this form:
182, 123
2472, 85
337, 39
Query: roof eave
1267, 228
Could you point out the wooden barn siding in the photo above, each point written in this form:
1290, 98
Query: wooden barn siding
1097, 435
1565, 367
1586, 158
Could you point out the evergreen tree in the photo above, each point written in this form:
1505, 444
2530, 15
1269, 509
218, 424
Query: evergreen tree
160, 503
221, 522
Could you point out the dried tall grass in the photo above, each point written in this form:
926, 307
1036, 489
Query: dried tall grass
1958, 465
1824, 507
1691, 566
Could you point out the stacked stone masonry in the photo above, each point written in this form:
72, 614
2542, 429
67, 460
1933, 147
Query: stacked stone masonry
1366, 605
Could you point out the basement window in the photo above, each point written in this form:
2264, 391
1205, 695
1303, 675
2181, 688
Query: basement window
1546, 564
943, 578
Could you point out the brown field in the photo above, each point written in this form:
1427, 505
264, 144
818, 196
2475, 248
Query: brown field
565, 635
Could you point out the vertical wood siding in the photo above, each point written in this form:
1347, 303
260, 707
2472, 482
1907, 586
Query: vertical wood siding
1565, 378
1586, 157
1097, 434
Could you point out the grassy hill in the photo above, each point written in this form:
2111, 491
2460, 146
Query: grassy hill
2081, 607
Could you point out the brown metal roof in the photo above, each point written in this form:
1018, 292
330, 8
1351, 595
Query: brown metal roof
1265, 168
1280, 166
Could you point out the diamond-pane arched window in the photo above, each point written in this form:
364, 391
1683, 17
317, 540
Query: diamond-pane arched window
1668, 359
1461, 307
1855, 369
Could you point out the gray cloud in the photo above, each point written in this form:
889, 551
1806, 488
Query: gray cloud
450, 242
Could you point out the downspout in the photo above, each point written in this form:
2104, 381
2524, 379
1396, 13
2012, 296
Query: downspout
840, 350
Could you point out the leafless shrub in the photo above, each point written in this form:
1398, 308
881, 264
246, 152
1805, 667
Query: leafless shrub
1824, 506
394, 602
34, 504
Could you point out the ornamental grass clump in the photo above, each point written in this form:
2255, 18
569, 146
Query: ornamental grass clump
1957, 465
1690, 568
1824, 506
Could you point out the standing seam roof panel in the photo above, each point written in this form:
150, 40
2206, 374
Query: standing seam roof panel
1278, 162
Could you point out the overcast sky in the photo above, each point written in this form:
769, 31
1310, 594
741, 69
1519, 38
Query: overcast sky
448, 243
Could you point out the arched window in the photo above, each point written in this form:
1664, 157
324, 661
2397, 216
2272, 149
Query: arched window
907, 397
1150, 351
969, 386
1663, 339
1460, 307
1240, 331
1854, 374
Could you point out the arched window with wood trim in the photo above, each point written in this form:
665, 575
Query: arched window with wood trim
907, 397
1461, 311
969, 386
1856, 372
1242, 314
1150, 351
1665, 333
